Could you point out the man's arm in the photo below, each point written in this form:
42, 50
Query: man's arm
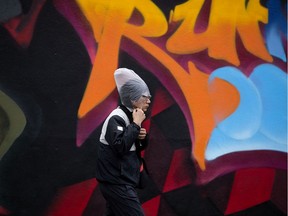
120, 137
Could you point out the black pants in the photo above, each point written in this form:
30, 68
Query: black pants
121, 200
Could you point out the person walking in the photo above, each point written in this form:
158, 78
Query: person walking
121, 141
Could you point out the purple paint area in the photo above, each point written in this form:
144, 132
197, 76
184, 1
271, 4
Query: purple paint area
241, 160
71, 11
95, 117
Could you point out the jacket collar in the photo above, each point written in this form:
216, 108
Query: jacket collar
127, 112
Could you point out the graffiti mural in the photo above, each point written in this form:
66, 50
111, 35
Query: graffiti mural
217, 70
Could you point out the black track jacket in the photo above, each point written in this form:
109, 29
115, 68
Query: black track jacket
119, 149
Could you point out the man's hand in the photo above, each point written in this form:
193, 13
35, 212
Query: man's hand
142, 134
138, 116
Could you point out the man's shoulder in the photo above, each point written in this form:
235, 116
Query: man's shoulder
119, 114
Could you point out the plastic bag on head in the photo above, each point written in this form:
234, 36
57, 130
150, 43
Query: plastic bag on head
130, 86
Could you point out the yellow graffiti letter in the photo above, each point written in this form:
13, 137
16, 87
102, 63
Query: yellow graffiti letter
109, 19
226, 18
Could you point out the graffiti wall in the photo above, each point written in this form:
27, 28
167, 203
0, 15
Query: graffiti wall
217, 71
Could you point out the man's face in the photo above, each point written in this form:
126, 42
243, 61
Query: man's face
142, 103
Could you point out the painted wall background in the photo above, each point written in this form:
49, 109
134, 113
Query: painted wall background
217, 71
